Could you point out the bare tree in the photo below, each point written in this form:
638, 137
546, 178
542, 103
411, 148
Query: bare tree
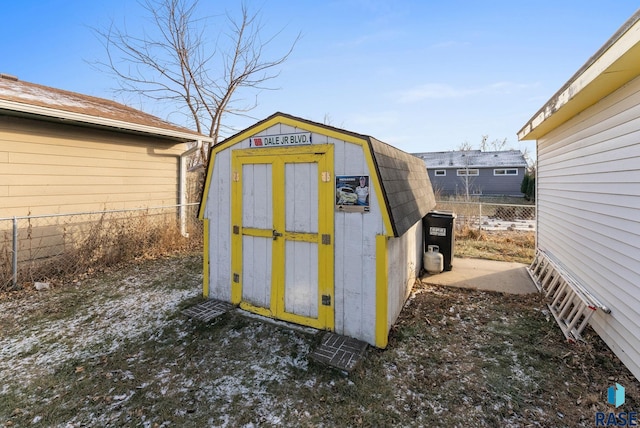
483, 143
498, 145
466, 179
495, 145
198, 68
530, 159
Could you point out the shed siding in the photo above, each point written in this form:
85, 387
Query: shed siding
355, 251
50, 168
589, 211
405, 262
218, 211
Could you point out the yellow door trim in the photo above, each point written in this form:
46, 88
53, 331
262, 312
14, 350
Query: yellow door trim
236, 230
322, 154
326, 250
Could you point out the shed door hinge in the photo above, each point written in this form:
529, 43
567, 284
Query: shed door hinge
236, 278
326, 300
236, 229
235, 176
326, 239
326, 176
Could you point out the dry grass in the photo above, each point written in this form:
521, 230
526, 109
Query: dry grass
509, 246
115, 351
77, 246
112, 349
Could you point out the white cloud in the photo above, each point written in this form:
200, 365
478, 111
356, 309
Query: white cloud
369, 39
375, 121
431, 91
449, 44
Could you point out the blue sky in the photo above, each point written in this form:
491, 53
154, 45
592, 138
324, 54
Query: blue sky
420, 75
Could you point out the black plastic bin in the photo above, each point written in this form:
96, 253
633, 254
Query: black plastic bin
438, 229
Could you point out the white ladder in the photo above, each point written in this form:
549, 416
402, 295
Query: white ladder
570, 304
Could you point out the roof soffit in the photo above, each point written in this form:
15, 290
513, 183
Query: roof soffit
614, 65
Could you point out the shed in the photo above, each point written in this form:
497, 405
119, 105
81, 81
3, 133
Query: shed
314, 225
588, 188
491, 173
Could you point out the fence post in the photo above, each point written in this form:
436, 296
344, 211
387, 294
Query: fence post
480, 217
14, 263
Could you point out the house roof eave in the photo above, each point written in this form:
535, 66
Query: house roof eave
611, 67
13, 107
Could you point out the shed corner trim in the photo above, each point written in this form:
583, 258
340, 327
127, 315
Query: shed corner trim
382, 300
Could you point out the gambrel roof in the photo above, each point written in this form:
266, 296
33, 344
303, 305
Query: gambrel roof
406, 189
473, 159
20, 98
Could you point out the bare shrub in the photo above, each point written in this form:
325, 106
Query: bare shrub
467, 232
6, 274
55, 248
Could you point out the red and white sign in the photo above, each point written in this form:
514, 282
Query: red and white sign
294, 139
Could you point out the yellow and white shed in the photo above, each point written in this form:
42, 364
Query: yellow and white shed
314, 225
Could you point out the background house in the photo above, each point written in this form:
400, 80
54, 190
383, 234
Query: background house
64, 152
588, 188
482, 173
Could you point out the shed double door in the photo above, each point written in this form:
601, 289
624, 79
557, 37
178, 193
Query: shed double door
282, 241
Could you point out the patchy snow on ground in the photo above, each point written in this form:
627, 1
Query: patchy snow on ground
101, 327
456, 357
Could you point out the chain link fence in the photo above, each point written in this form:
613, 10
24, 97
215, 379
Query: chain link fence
46, 248
491, 216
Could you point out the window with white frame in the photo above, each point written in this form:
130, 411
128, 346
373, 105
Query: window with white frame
505, 171
440, 172
467, 172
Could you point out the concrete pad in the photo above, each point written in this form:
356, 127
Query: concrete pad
486, 275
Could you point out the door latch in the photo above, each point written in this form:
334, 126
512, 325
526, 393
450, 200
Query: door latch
276, 234
326, 300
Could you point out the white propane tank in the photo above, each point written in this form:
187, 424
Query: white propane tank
433, 260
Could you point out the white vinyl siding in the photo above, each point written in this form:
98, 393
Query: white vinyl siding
469, 172
588, 195
505, 171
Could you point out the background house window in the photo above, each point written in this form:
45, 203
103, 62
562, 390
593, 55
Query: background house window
440, 172
463, 172
505, 171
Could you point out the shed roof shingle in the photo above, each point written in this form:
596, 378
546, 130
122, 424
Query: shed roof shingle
406, 185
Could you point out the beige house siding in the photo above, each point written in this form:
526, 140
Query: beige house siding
49, 168
589, 211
